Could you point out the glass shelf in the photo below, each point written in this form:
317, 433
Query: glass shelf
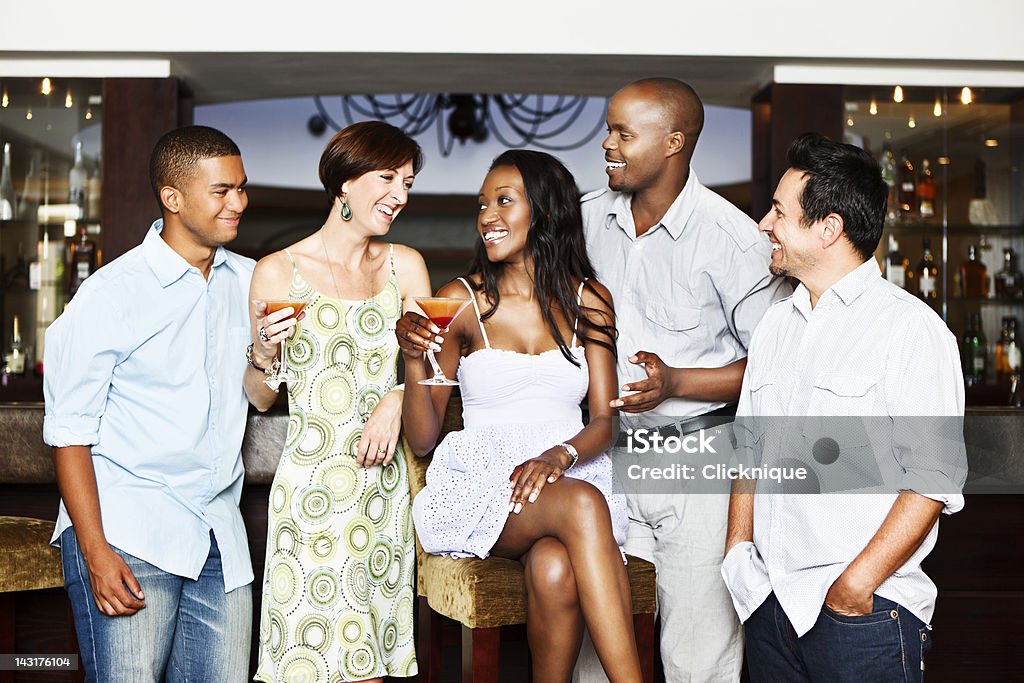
955, 229
984, 301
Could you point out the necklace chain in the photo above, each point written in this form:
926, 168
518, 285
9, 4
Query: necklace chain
330, 268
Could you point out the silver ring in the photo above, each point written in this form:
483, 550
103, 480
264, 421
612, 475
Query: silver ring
263, 334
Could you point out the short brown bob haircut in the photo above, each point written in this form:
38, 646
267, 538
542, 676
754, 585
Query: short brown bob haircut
363, 147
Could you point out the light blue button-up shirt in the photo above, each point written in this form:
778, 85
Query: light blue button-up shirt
145, 366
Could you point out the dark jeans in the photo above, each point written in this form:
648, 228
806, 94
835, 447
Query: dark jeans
887, 645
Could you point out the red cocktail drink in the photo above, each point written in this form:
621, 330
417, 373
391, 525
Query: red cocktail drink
442, 311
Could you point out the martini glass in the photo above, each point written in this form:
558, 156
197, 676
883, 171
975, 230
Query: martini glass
280, 373
441, 310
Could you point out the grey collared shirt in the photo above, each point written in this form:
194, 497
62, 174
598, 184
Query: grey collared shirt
691, 289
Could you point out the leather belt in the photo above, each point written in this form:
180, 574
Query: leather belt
689, 425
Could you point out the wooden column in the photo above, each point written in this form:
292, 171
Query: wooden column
781, 112
136, 112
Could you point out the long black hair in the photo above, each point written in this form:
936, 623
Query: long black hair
556, 245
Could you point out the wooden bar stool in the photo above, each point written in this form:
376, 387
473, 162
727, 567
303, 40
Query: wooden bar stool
27, 562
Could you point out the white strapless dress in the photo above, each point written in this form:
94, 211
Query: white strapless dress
515, 406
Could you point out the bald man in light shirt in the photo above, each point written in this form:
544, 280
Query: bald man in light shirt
688, 272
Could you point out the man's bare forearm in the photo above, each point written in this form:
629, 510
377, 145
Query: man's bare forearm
709, 384
741, 513
76, 480
905, 527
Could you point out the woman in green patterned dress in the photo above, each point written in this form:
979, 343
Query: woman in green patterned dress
338, 585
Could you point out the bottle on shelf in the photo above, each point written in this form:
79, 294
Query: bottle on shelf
888, 164
1008, 354
927, 272
32, 192
82, 257
896, 264
7, 201
15, 358
94, 191
973, 275
973, 351
981, 211
1009, 282
926, 192
907, 188
78, 180
1016, 391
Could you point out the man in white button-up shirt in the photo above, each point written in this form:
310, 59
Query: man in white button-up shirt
829, 585
688, 273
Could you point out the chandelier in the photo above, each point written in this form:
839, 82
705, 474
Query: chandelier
543, 121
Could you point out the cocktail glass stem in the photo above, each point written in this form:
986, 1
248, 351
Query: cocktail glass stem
438, 373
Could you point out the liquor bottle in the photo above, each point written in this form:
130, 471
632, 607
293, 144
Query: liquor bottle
981, 211
926, 192
973, 351
1007, 351
15, 359
32, 194
94, 192
7, 202
888, 164
78, 179
82, 260
1009, 283
927, 272
973, 275
896, 264
907, 188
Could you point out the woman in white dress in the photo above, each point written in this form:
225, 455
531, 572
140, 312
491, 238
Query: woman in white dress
525, 479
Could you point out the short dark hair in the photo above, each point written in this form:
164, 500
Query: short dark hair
176, 154
845, 180
363, 147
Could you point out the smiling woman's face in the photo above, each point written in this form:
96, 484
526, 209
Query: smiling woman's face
504, 218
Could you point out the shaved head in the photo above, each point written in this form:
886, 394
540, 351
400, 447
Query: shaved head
677, 102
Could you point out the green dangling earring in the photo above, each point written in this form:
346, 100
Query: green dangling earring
346, 210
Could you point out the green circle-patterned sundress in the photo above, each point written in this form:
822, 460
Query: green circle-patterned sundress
338, 584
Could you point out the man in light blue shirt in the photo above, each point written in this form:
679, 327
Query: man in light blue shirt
145, 409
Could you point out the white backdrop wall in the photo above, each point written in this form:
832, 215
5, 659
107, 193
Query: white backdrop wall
868, 29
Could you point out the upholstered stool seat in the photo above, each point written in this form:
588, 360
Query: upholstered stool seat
484, 595
492, 592
27, 560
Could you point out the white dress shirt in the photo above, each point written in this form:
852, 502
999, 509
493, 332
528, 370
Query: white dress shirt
691, 289
868, 348
145, 366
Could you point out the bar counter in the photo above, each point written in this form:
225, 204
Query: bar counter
976, 563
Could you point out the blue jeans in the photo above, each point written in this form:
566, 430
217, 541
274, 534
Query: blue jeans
887, 645
188, 631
